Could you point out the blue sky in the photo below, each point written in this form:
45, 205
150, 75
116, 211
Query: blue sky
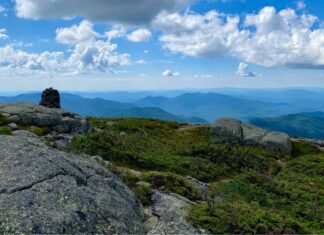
169, 44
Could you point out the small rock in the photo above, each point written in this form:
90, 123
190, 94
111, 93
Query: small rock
97, 159
107, 164
122, 133
281, 163
13, 126
142, 183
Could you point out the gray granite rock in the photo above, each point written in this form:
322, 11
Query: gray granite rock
24, 133
227, 130
233, 131
167, 215
13, 126
30, 114
45, 191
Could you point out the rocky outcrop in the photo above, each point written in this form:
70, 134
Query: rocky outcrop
35, 115
167, 215
46, 191
50, 98
233, 131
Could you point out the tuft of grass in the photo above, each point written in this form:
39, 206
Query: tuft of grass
40, 131
174, 183
5, 131
3, 120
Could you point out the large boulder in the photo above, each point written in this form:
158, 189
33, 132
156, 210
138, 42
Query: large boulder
233, 131
227, 131
45, 191
36, 115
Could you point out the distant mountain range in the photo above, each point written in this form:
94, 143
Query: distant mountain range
212, 106
104, 108
308, 125
190, 106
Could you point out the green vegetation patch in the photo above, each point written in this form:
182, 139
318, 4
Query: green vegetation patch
251, 190
300, 148
3, 120
290, 202
239, 217
154, 145
40, 131
174, 183
5, 131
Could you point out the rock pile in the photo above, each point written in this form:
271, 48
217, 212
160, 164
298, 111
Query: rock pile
50, 98
233, 131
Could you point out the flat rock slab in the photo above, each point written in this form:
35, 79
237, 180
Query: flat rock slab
45, 191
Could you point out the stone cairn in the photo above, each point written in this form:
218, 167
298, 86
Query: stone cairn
50, 98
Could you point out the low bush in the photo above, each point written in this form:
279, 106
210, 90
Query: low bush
301, 148
5, 131
3, 120
240, 217
170, 182
40, 131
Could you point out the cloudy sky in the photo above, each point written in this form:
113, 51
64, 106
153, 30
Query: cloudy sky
165, 44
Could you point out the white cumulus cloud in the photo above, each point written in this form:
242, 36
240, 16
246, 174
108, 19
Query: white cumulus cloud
117, 31
169, 73
3, 9
300, 5
140, 35
76, 34
268, 38
88, 53
3, 34
243, 71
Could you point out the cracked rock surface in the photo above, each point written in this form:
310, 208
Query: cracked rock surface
45, 191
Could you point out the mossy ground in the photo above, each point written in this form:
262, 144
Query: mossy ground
258, 195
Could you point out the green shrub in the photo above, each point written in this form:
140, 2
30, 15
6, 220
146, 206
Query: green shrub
143, 193
236, 158
240, 217
4, 120
172, 183
301, 148
40, 131
5, 131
